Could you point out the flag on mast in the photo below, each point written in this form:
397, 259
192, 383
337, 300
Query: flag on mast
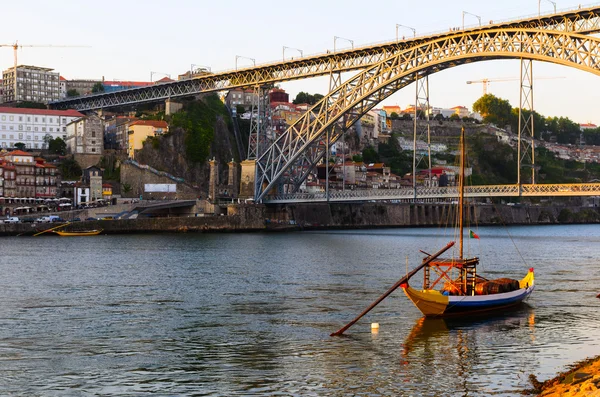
473, 235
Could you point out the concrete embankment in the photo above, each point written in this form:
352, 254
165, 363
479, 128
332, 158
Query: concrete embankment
248, 218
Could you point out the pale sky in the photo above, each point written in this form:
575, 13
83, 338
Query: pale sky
130, 39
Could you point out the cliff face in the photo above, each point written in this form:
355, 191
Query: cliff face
168, 153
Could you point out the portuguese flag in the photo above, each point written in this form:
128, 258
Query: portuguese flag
473, 235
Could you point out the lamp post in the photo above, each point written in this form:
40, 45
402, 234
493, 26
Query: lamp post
335, 39
404, 26
540, 6
153, 73
468, 13
243, 57
292, 48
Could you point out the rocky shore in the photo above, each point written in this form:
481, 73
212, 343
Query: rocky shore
582, 379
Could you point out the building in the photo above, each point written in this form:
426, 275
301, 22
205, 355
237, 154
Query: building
32, 126
112, 86
24, 175
116, 132
1, 92
461, 111
92, 178
241, 97
82, 86
392, 109
278, 95
107, 191
34, 83
139, 130
86, 135
587, 126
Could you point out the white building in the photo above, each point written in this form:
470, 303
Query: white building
30, 126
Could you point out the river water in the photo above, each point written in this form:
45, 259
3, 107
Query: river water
251, 314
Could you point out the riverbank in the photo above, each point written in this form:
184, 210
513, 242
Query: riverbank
582, 379
322, 216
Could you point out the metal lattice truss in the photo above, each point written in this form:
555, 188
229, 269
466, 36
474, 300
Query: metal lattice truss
584, 21
304, 144
583, 189
526, 148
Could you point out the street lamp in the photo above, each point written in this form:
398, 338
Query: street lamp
335, 38
404, 26
243, 57
540, 5
292, 48
153, 73
468, 13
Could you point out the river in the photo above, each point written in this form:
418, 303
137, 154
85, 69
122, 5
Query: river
251, 314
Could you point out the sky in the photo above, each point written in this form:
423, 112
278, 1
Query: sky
133, 40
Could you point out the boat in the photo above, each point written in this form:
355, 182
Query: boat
78, 233
452, 287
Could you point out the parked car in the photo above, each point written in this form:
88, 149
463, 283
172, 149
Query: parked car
76, 220
28, 220
58, 219
91, 219
12, 219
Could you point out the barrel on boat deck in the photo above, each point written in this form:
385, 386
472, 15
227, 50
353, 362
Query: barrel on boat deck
496, 286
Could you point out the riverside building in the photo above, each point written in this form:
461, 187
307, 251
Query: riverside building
32, 126
34, 84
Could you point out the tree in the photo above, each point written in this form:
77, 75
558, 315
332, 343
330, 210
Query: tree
394, 116
240, 109
406, 117
439, 117
31, 105
20, 146
454, 117
72, 93
494, 110
370, 155
57, 146
98, 87
70, 169
305, 97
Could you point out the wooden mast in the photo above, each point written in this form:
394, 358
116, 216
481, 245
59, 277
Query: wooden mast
461, 192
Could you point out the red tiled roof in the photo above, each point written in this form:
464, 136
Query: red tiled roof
127, 83
42, 112
107, 185
152, 123
62, 78
164, 80
19, 153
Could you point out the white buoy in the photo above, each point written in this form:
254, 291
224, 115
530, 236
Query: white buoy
374, 327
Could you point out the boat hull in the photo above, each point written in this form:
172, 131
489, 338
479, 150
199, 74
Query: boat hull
434, 304
83, 233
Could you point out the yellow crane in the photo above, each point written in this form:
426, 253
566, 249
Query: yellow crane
16, 47
486, 82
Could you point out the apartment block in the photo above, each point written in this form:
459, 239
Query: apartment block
33, 83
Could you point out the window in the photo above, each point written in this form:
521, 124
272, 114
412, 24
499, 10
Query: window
12, 118
28, 118
28, 128
35, 129
21, 136
36, 119
43, 129
3, 118
93, 134
11, 127
20, 127
93, 149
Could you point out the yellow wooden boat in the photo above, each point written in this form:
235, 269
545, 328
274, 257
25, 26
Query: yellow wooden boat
78, 233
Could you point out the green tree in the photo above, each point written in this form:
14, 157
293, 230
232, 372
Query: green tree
439, 117
72, 93
198, 119
494, 110
305, 97
31, 105
394, 116
454, 117
370, 155
20, 146
57, 146
406, 117
240, 110
98, 87
70, 169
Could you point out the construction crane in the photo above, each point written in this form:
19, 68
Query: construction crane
486, 82
16, 47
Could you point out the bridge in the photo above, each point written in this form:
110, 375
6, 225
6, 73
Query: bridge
285, 162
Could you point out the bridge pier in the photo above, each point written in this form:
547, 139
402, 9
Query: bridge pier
247, 179
172, 107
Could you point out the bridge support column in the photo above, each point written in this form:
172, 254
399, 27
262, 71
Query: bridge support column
213, 180
172, 107
526, 149
247, 180
233, 179
421, 131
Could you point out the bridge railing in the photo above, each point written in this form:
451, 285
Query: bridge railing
449, 192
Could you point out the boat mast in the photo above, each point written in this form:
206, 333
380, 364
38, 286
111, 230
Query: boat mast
461, 191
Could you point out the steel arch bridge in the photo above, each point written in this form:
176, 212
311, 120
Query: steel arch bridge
298, 150
584, 21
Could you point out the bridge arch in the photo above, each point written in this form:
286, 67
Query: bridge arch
298, 150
